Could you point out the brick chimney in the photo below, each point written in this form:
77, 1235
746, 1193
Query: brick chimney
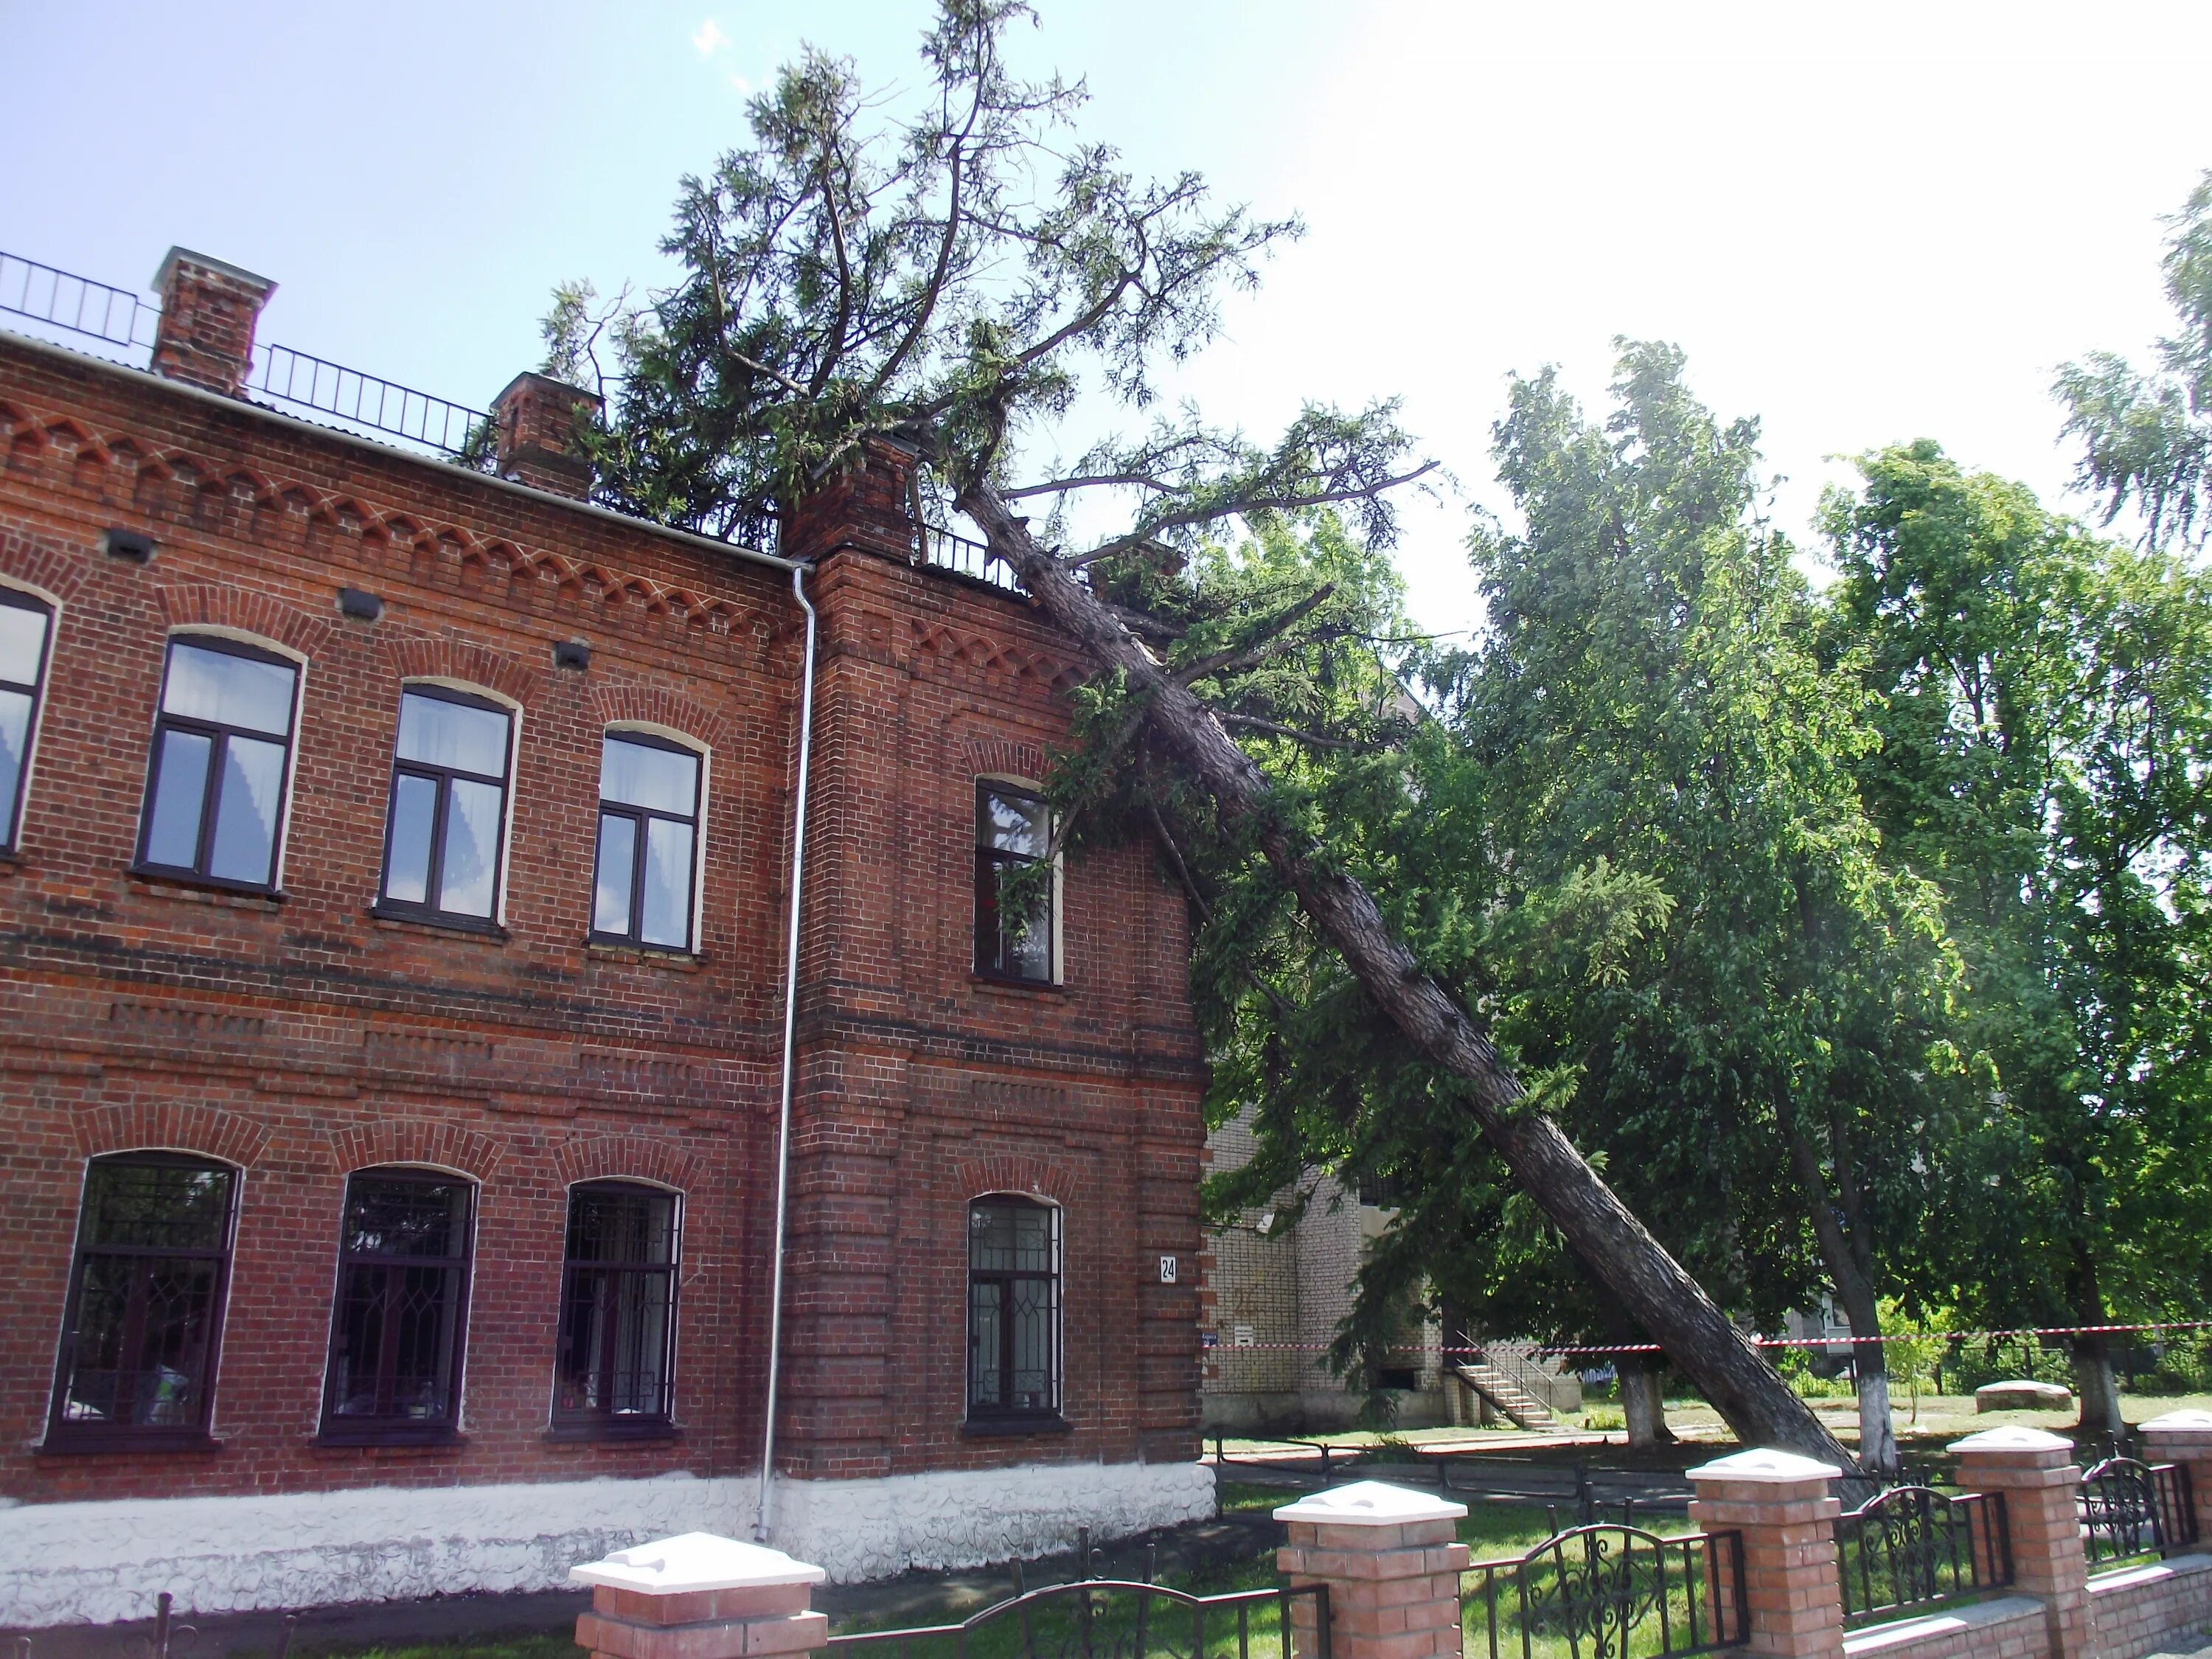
205, 335
538, 417
865, 504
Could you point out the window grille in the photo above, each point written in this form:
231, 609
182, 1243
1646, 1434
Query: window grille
397, 1332
618, 1308
1014, 882
1013, 1308
146, 1298
223, 746
649, 842
449, 814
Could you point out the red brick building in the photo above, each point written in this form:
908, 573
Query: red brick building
393, 909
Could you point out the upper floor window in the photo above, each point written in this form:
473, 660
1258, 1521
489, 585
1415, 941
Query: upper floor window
1014, 884
145, 1300
443, 840
617, 1307
648, 840
1013, 1307
25, 625
214, 796
396, 1330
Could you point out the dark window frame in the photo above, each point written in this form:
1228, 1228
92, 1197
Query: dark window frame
36, 690
990, 935
220, 734
983, 1414
604, 1421
442, 778
643, 817
62, 1433
337, 1428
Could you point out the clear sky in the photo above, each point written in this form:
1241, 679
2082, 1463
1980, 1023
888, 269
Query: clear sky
1865, 223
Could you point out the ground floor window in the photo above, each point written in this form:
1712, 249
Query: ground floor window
617, 1307
145, 1301
1013, 1308
397, 1332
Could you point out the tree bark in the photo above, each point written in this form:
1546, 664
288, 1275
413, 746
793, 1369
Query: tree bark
2093, 1381
1850, 1267
1642, 1403
1616, 1247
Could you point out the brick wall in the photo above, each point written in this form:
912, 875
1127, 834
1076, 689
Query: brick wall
2137, 1609
300, 1037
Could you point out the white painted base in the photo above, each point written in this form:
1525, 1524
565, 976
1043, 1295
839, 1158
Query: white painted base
65, 1564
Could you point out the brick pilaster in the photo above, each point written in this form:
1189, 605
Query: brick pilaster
2037, 1474
208, 310
1391, 1560
697, 1596
1784, 1508
2185, 1437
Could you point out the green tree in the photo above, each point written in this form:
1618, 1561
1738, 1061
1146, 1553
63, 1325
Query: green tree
2147, 439
2046, 703
954, 281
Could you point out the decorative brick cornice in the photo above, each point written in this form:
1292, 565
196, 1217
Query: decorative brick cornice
412, 1141
635, 1157
1016, 662
211, 604
169, 1126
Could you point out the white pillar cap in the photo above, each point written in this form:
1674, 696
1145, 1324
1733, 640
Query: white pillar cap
1765, 1463
2014, 1437
694, 1561
1370, 1504
2193, 1421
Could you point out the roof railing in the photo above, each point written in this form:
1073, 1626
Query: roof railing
963, 556
364, 400
61, 299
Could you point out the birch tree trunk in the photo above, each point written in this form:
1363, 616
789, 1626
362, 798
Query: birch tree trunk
1612, 1243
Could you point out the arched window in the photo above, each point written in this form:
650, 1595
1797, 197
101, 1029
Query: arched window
27, 627
1013, 1308
648, 841
146, 1295
447, 823
222, 749
618, 1308
398, 1327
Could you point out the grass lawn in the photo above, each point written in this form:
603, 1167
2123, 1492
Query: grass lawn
1937, 1421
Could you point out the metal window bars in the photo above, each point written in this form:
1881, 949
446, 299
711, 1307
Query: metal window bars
2128, 1507
61, 299
1609, 1592
1913, 1547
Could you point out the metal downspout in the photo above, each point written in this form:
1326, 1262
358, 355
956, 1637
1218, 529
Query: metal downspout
790, 1021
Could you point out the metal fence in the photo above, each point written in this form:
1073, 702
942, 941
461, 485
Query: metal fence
1115, 1618
381, 406
1913, 1547
1570, 1490
1608, 1592
2129, 1508
77, 305
963, 556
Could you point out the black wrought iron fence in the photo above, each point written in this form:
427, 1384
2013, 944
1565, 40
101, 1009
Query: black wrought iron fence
1118, 1619
2129, 1508
1608, 1592
1913, 1547
965, 556
384, 407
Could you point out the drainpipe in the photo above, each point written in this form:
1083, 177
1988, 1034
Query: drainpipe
790, 1023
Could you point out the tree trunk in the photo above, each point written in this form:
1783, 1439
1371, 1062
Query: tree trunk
2093, 1381
1615, 1246
1849, 1264
1643, 1402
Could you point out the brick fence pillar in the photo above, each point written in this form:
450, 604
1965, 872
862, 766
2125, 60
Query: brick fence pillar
1784, 1507
2185, 1437
697, 1596
2036, 1472
1391, 1560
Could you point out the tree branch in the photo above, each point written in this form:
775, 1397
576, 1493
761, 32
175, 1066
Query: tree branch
1258, 648
1273, 728
1260, 502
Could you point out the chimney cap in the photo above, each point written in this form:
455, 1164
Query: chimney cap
177, 256
530, 377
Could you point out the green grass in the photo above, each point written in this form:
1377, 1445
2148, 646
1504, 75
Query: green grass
550, 1645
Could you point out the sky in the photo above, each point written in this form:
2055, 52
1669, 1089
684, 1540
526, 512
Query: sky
1864, 224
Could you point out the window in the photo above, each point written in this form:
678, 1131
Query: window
618, 1308
215, 792
396, 1330
1014, 896
448, 807
25, 626
648, 827
145, 1301
1013, 1308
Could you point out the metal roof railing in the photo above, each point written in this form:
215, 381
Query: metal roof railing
59, 299
382, 406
